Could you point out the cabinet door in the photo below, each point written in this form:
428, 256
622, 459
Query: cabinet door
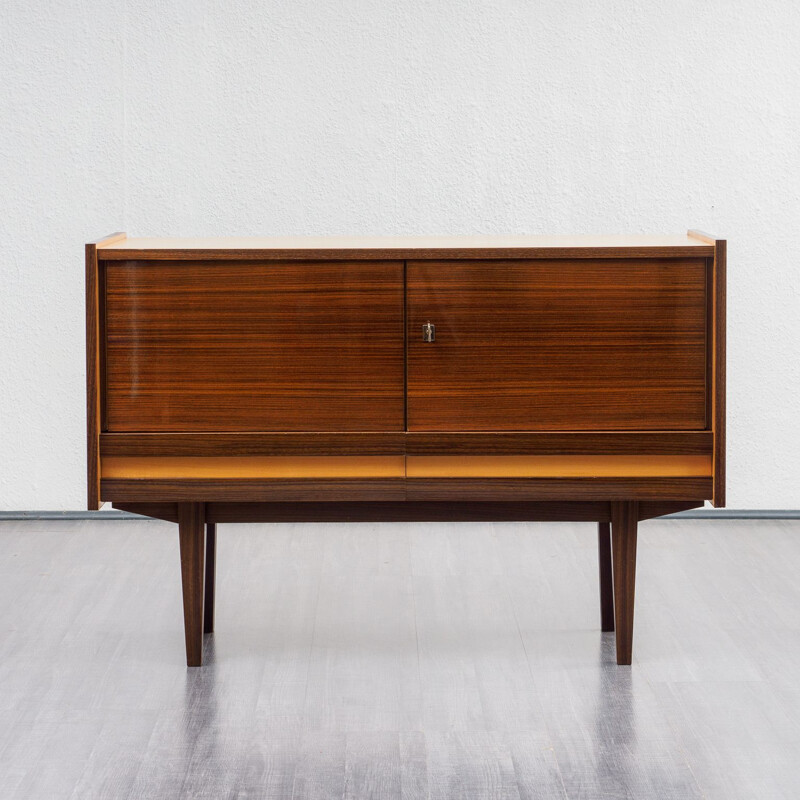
238, 346
557, 345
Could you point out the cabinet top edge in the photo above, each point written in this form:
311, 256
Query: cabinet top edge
344, 247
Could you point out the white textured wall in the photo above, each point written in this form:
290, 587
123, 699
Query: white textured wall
199, 118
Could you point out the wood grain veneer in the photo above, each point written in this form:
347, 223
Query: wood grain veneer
558, 443
252, 490
94, 365
717, 351
93, 396
605, 575
561, 488
624, 518
719, 380
557, 345
129, 479
194, 346
413, 443
209, 601
192, 538
253, 444
258, 490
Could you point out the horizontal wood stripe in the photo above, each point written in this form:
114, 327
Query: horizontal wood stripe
557, 466
566, 443
250, 467
478, 443
337, 467
399, 489
511, 489
300, 490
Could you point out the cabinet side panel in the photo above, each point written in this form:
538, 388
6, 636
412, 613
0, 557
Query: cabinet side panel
249, 346
92, 379
720, 280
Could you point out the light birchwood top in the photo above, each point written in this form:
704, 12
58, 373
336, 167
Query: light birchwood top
404, 247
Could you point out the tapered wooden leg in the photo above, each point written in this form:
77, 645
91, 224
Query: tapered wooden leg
192, 533
211, 576
606, 586
624, 522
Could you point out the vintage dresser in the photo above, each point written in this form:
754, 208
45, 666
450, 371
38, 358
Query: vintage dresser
406, 378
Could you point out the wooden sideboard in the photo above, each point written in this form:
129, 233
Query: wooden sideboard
406, 378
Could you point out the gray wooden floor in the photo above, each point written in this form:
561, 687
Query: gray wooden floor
399, 661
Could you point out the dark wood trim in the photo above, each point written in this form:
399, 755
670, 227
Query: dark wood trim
251, 490
564, 443
509, 443
516, 443
509, 489
405, 349
102, 342
409, 512
710, 348
412, 489
211, 577
252, 444
605, 576
718, 315
401, 254
406, 511
720, 269
192, 536
92, 380
624, 521
94, 349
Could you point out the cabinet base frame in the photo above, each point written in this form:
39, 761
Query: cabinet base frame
616, 544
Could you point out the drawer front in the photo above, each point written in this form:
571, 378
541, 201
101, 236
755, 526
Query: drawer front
557, 345
238, 346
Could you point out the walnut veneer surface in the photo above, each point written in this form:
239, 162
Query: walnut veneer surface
547, 344
198, 346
